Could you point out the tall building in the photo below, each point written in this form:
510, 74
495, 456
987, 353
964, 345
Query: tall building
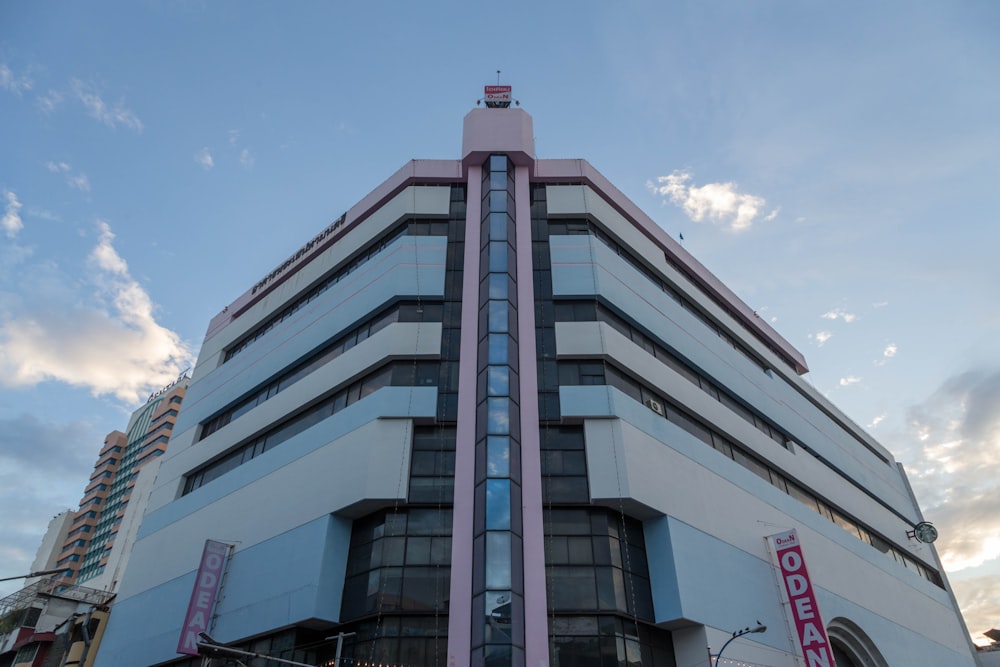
494, 415
87, 549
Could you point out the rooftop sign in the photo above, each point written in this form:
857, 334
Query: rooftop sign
497, 96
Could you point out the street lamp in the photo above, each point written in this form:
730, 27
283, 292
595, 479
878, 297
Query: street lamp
739, 633
210, 648
40, 573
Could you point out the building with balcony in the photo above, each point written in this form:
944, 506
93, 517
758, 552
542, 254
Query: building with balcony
86, 551
495, 415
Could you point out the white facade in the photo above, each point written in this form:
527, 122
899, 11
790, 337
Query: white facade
692, 418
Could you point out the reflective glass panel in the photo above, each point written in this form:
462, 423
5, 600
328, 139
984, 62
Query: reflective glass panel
498, 560
497, 456
498, 504
498, 380
498, 416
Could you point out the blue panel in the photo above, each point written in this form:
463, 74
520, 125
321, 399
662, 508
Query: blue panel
662, 573
723, 586
406, 264
291, 578
386, 402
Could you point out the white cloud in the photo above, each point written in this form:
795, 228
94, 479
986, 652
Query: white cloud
888, 353
822, 336
49, 101
102, 336
11, 222
955, 467
880, 304
839, 314
80, 182
110, 115
720, 203
876, 421
849, 380
13, 83
204, 158
246, 158
234, 136
979, 598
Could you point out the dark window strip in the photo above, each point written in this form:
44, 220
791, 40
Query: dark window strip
602, 373
400, 373
410, 228
577, 227
590, 311
403, 312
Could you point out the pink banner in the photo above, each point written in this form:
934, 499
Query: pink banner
802, 601
206, 587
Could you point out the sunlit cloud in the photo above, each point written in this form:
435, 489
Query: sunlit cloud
876, 421
979, 598
11, 222
13, 83
246, 158
111, 115
204, 158
719, 203
955, 467
849, 380
839, 314
101, 335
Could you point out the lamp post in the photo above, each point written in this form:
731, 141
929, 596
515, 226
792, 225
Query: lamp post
40, 573
738, 633
210, 648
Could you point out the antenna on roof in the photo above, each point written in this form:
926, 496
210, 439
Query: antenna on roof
497, 97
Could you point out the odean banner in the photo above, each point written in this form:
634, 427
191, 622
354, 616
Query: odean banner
801, 600
206, 587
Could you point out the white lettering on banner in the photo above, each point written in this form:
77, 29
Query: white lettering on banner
802, 600
814, 659
206, 587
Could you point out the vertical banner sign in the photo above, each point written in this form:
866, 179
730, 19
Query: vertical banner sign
801, 600
206, 587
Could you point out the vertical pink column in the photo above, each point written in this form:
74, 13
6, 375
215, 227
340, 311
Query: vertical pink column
536, 628
460, 604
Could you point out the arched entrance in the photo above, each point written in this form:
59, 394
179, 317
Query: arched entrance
851, 646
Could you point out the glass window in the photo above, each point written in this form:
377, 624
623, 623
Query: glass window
498, 316
498, 559
498, 380
497, 456
498, 504
498, 283
498, 416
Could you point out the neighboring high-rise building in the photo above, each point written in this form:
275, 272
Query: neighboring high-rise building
86, 551
494, 415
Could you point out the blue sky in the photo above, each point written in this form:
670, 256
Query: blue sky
835, 164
